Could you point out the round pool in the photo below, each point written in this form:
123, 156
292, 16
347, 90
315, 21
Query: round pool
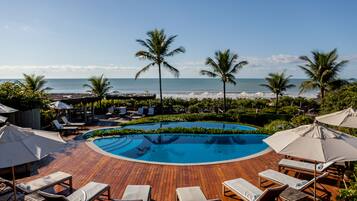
183, 148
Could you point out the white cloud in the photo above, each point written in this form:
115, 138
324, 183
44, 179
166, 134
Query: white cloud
258, 67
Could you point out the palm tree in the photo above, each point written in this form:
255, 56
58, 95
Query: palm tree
323, 70
99, 86
157, 49
35, 83
224, 65
278, 83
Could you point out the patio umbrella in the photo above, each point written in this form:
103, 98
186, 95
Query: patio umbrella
21, 145
5, 109
3, 119
59, 105
314, 142
343, 118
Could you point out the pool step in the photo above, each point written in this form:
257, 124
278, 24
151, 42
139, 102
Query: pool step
115, 143
127, 142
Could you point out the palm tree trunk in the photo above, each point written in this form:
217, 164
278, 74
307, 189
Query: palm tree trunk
322, 93
276, 103
161, 105
224, 97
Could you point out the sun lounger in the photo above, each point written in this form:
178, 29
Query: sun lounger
57, 178
61, 128
89, 192
282, 179
249, 192
68, 123
335, 171
191, 194
136, 193
122, 111
151, 111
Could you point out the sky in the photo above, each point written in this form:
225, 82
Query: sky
82, 38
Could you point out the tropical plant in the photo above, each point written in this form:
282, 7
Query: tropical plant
224, 65
157, 49
341, 99
98, 85
278, 83
35, 83
322, 70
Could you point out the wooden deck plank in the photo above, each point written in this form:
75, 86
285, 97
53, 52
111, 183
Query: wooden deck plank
88, 165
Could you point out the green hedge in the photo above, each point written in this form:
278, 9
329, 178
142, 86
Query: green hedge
179, 130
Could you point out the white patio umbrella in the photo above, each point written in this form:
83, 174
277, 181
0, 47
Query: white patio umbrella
343, 118
3, 119
5, 109
315, 142
59, 105
21, 145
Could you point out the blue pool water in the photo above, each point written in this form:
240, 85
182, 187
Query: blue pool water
188, 124
184, 148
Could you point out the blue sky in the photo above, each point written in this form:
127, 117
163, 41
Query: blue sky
88, 37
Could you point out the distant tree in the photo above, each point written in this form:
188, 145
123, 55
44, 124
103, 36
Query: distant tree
278, 83
224, 65
98, 85
322, 70
35, 83
157, 49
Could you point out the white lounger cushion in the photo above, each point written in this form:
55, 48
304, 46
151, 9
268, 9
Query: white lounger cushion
283, 179
89, 191
44, 182
244, 188
137, 192
305, 165
190, 194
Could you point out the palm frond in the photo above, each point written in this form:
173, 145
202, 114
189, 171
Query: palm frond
146, 68
172, 69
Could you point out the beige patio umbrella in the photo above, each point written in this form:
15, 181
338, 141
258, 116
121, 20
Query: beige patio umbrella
3, 119
343, 118
5, 109
21, 145
315, 142
59, 105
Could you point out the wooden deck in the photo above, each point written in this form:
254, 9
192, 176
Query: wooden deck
87, 165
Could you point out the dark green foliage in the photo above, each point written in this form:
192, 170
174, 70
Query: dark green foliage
302, 120
290, 110
278, 125
178, 130
21, 98
194, 108
35, 83
340, 99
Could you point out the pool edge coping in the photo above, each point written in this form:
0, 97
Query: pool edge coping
90, 144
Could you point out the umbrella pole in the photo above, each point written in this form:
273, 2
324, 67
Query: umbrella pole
315, 181
13, 181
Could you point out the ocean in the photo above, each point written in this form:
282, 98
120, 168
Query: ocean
180, 87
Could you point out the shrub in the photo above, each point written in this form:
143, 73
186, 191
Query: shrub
18, 97
277, 125
302, 120
340, 99
193, 108
291, 110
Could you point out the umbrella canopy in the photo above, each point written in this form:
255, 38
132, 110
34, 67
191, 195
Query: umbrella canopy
3, 119
19, 145
314, 142
58, 105
5, 109
343, 118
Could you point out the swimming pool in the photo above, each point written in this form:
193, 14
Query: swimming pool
190, 124
183, 148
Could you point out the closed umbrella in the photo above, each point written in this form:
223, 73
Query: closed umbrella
314, 142
59, 105
343, 118
20, 146
5, 109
